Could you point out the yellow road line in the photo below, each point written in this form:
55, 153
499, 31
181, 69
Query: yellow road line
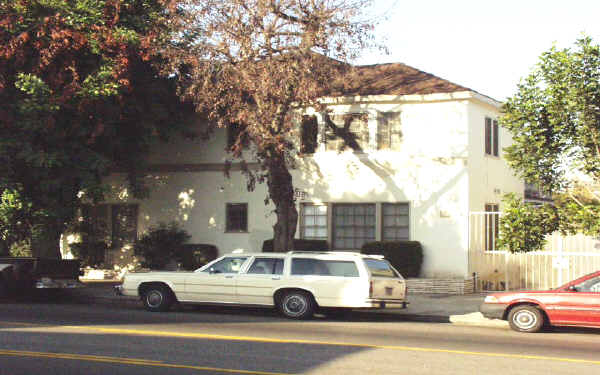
314, 342
129, 361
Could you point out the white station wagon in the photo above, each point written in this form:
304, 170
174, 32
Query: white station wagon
297, 283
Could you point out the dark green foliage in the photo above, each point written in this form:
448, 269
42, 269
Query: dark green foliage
81, 96
405, 256
161, 244
524, 226
90, 254
194, 256
554, 121
299, 245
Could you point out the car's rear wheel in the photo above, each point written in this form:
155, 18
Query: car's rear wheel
526, 318
297, 305
157, 298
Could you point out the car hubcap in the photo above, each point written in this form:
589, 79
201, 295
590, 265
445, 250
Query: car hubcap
525, 319
154, 298
295, 305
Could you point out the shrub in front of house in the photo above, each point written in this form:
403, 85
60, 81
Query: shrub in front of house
194, 256
405, 256
299, 245
90, 253
161, 245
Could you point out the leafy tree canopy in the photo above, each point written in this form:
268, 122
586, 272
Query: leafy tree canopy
554, 119
80, 95
254, 63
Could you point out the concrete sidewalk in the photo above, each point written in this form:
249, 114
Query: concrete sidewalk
456, 309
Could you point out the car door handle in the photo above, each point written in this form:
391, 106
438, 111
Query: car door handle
229, 277
276, 278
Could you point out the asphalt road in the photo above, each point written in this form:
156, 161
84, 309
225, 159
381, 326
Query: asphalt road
64, 338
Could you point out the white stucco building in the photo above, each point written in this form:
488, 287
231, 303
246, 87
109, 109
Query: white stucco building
431, 154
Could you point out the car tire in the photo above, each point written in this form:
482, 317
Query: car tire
297, 305
158, 298
526, 318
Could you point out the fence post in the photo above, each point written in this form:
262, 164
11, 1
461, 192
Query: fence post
506, 255
560, 257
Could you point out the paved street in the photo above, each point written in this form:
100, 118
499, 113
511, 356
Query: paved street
69, 338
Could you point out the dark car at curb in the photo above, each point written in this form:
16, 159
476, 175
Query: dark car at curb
577, 303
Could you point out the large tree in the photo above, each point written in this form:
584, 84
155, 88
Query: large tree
554, 119
254, 64
81, 96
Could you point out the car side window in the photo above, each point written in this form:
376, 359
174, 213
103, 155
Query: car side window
591, 285
318, 267
227, 265
267, 266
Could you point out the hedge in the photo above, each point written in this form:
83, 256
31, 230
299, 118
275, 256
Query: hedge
405, 256
194, 256
299, 245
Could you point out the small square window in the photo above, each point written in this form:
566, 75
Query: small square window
236, 217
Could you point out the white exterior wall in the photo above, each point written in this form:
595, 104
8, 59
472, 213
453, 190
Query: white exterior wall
437, 171
490, 177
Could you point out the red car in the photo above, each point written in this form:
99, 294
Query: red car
576, 303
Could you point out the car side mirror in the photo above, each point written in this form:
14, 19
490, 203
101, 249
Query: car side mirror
572, 288
211, 270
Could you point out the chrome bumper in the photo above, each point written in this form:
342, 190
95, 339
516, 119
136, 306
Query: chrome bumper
48, 283
387, 304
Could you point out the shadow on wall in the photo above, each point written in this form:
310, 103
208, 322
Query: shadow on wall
432, 185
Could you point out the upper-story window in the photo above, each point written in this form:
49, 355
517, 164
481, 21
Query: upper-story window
389, 135
352, 131
491, 137
309, 129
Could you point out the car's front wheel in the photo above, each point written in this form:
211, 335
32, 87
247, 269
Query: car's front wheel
157, 298
297, 305
526, 318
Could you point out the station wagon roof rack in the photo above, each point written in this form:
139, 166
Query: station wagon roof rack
336, 253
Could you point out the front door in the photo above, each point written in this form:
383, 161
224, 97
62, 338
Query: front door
215, 284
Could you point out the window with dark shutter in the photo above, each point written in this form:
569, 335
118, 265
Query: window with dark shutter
236, 217
488, 136
308, 133
495, 138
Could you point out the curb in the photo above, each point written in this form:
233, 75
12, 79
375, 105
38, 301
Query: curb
475, 319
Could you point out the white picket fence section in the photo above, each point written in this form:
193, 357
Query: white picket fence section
563, 258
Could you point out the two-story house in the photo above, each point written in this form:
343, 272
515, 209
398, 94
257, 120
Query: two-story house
431, 153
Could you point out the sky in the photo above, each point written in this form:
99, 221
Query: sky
485, 45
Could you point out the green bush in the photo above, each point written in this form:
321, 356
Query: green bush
90, 254
524, 226
161, 244
299, 245
195, 256
405, 256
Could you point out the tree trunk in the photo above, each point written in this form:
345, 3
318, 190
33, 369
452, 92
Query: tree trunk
281, 192
45, 241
